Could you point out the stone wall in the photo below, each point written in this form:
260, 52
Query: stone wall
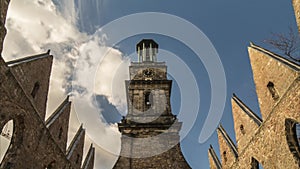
271, 141
172, 158
296, 4
150, 132
244, 124
35, 143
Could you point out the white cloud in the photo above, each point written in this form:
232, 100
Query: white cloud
35, 26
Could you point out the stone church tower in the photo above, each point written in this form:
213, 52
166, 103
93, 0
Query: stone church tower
150, 132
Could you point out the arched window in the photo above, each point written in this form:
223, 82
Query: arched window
5, 138
242, 129
50, 165
148, 99
224, 156
60, 133
77, 159
292, 129
35, 89
272, 90
255, 164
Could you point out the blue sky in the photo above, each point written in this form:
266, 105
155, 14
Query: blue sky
71, 30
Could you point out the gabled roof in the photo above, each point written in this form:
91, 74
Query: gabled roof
80, 133
89, 159
28, 59
215, 157
247, 110
277, 57
58, 112
228, 140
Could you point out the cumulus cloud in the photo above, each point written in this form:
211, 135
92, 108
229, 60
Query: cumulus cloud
83, 67
114, 115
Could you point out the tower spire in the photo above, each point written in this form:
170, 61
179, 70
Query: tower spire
147, 50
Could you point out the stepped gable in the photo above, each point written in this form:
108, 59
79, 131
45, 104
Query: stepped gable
272, 74
33, 73
246, 122
58, 124
75, 150
213, 159
89, 159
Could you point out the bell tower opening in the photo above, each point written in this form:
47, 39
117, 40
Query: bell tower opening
147, 50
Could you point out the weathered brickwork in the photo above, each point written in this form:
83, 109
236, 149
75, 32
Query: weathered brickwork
269, 70
214, 161
35, 143
28, 72
296, 4
150, 132
271, 142
245, 122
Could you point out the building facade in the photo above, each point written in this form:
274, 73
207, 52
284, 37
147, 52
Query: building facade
34, 141
273, 140
150, 132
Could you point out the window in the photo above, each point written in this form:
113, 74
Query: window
35, 89
147, 99
292, 129
224, 157
77, 159
50, 166
60, 133
5, 138
255, 164
242, 129
272, 90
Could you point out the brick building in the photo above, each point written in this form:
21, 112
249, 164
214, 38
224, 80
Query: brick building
35, 142
273, 141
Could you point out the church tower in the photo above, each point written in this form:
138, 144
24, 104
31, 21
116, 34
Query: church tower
150, 132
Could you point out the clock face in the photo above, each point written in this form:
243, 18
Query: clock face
148, 72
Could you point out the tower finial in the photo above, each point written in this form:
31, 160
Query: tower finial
147, 50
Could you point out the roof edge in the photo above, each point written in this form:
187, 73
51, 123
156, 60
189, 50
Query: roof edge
28, 58
57, 112
74, 142
215, 157
247, 110
88, 157
277, 57
228, 140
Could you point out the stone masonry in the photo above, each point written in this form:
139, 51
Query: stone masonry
270, 142
150, 132
35, 142
296, 4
